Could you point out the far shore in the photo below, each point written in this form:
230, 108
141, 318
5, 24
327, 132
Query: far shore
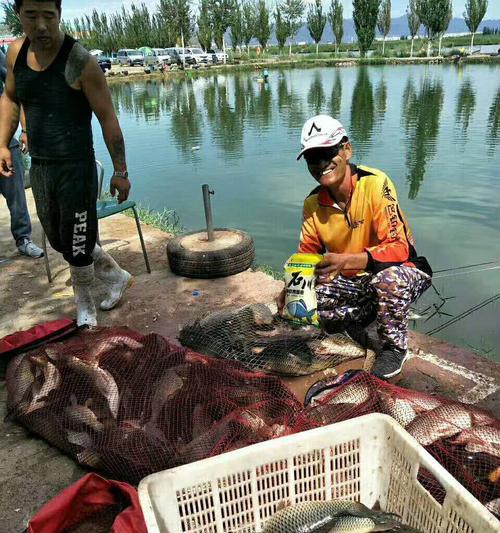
121, 74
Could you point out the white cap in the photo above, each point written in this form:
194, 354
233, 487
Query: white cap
321, 131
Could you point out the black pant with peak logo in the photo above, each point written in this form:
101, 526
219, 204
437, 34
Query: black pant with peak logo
65, 195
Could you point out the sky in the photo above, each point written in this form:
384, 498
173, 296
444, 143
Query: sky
77, 8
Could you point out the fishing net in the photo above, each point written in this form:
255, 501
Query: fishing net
261, 340
463, 438
130, 405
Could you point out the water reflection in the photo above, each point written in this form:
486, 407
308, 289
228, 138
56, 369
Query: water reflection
381, 100
225, 120
336, 97
142, 100
466, 104
290, 105
260, 106
492, 137
316, 96
421, 116
362, 112
186, 120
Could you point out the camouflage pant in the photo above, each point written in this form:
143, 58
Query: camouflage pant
385, 296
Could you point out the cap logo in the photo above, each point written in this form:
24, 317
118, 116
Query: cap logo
314, 127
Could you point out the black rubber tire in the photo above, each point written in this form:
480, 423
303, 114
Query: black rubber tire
211, 263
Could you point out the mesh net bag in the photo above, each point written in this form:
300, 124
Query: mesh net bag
131, 405
463, 438
263, 341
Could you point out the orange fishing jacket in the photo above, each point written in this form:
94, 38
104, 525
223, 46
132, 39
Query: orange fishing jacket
372, 222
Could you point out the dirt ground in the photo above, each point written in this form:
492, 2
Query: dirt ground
32, 472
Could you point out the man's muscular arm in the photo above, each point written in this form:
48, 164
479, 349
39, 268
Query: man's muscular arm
94, 86
9, 113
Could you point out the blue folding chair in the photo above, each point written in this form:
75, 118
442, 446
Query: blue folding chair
105, 208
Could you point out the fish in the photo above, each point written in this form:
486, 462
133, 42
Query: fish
51, 380
316, 516
398, 408
494, 506
354, 393
352, 523
265, 342
20, 378
164, 389
101, 379
480, 439
79, 438
441, 422
298, 309
79, 415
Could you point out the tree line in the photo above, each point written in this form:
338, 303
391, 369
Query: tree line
173, 22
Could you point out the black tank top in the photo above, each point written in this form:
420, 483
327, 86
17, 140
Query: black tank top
58, 117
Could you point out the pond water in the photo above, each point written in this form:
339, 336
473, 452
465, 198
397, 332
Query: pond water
434, 129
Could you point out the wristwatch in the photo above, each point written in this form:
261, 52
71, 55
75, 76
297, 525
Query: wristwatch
118, 174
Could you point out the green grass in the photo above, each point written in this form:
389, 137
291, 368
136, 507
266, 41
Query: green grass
166, 220
270, 271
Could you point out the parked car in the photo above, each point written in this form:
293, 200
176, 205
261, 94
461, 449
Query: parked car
217, 55
199, 56
104, 62
162, 56
131, 57
180, 56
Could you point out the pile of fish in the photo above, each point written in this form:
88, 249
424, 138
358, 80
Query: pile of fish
257, 337
462, 437
131, 405
336, 516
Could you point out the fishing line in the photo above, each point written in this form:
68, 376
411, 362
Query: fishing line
464, 314
463, 273
467, 266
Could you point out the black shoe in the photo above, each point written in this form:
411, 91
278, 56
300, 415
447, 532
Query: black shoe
389, 362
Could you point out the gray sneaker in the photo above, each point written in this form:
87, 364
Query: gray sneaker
29, 248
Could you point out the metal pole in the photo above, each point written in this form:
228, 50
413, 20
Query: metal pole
208, 212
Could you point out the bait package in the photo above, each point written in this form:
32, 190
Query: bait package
300, 283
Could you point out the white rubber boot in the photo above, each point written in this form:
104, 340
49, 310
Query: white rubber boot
83, 279
115, 278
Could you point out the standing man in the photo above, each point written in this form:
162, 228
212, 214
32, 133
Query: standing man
370, 269
59, 84
13, 191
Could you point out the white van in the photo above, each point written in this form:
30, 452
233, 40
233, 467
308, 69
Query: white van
130, 57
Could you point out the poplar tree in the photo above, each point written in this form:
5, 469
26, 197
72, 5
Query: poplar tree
413, 22
473, 15
248, 23
236, 26
293, 10
204, 25
384, 21
316, 21
435, 15
262, 24
337, 21
365, 14
11, 19
281, 28
220, 14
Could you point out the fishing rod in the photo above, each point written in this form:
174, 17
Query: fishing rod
464, 314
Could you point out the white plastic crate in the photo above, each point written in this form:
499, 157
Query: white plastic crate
368, 459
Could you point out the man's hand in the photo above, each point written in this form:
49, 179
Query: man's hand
330, 266
122, 185
6, 166
23, 141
